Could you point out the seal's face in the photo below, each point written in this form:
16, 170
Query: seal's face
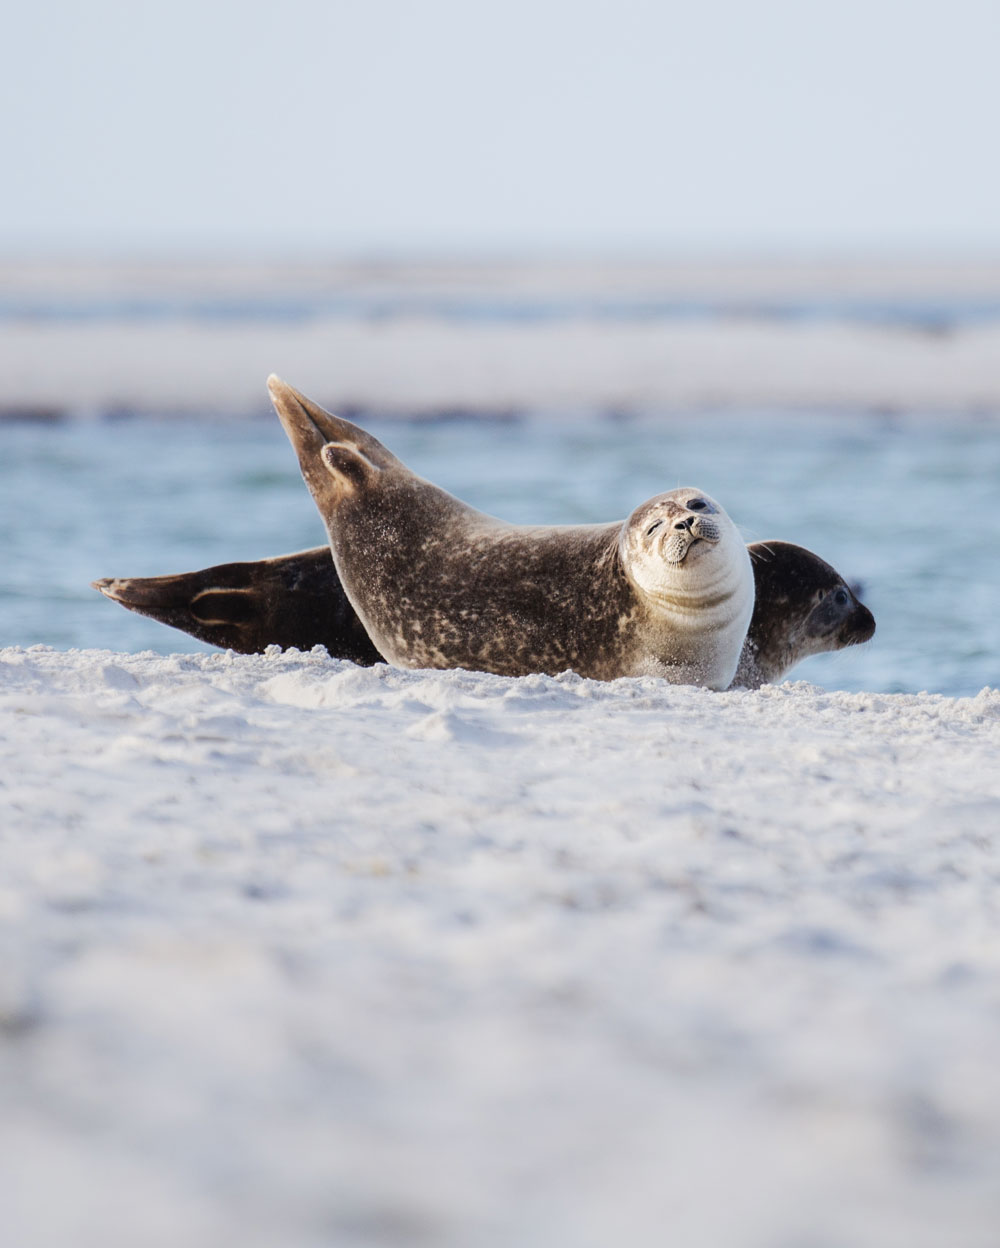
679, 537
803, 607
838, 619
684, 527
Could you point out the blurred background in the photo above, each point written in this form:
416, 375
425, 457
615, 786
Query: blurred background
560, 256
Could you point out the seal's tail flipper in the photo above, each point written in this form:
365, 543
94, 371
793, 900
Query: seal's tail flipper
292, 600
310, 428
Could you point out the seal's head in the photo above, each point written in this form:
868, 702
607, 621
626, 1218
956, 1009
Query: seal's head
804, 607
683, 542
692, 573
812, 599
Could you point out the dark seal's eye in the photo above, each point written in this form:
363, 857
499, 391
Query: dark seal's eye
840, 598
696, 504
655, 525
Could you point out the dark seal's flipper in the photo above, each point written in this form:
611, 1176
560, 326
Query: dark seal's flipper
802, 607
293, 600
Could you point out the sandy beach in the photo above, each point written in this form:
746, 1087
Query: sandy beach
298, 953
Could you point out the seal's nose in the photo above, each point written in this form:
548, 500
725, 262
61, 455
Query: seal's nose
685, 524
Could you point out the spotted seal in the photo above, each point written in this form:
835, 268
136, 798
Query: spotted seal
667, 592
802, 607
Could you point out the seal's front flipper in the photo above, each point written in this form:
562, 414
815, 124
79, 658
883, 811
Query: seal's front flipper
292, 600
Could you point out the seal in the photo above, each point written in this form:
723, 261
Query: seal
802, 607
667, 592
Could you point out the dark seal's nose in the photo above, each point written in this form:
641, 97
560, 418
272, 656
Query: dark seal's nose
685, 524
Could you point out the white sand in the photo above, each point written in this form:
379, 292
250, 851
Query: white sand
296, 953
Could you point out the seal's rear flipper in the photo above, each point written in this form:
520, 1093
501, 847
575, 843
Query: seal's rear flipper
310, 428
225, 606
348, 465
292, 600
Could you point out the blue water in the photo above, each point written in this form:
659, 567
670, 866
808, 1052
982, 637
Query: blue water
907, 507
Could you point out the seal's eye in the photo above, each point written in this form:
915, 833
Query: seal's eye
653, 527
696, 504
840, 598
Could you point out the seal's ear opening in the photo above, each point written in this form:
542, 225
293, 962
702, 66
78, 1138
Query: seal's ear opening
348, 466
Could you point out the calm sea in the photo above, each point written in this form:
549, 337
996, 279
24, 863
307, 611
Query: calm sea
907, 507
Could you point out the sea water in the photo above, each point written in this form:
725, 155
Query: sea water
905, 507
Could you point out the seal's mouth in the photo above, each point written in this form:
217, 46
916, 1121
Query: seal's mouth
680, 547
859, 628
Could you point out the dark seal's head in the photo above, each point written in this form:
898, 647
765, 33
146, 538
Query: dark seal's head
803, 606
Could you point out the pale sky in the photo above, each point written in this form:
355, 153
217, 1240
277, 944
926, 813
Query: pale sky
517, 125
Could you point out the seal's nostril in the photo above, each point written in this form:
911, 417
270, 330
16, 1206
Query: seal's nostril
684, 524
